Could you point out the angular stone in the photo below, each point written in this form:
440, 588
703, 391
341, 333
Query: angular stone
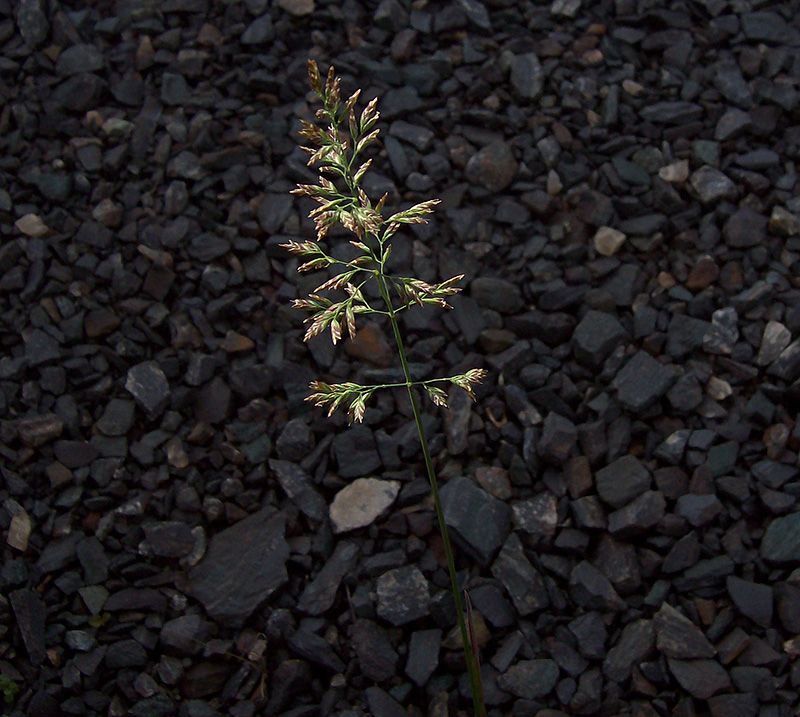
527, 76
376, 656
537, 516
356, 452
787, 365
498, 294
698, 509
169, 538
32, 21
700, 678
184, 635
781, 541
148, 384
479, 521
30, 615
775, 339
622, 481
38, 430
712, 185
41, 348
642, 381
745, 228
753, 600
639, 516
530, 679
244, 565
492, 167
634, 645
679, 637
596, 336
671, 112
117, 418
361, 502
319, 594
591, 589
522, 581
403, 595
79, 58
559, 436
297, 484
423, 655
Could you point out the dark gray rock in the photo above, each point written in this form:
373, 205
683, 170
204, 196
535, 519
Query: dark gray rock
297, 484
537, 516
244, 565
671, 112
423, 655
596, 336
169, 538
381, 704
498, 294
530, 679
117, 417
559, 436
148, 384
356, 452
523, 582
698, 509
318, 595
527, 76
376, 656
753, 600
79, 58
591, 589
642, 381
700, 678
640, 515
634, 645
480, 522
184, 635
315, 648
32, 21
781, 541
622, 481
745, 228
403, 595
679, 637
125, 654
30, 615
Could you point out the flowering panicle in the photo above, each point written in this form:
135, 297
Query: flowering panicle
341, 201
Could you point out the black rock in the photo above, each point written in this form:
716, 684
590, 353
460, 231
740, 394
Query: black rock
376, 656
30, 614
403, 595
479, 522
753, 600
642, 381
244, 565
679, 637
634, 645
423, 655
523, 582
356, 452
320, 594
148, 384
622, 481
595, 337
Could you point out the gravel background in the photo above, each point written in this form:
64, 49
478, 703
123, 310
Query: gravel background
183, 535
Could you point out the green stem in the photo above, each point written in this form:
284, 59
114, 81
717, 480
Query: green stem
471, 658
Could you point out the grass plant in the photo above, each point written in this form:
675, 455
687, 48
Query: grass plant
338, 149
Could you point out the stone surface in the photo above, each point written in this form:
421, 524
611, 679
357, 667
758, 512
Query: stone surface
361, 502
244, 565
479, 522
